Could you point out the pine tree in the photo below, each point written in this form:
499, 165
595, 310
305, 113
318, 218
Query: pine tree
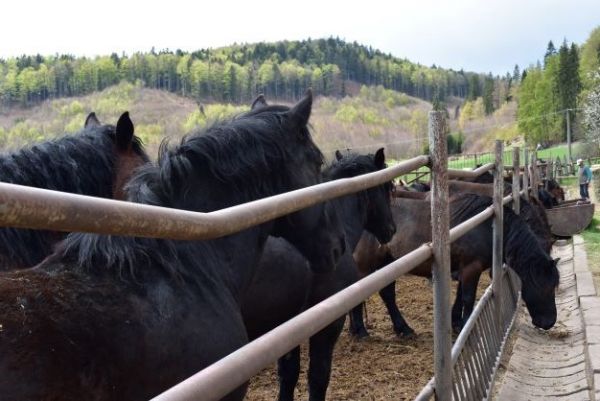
516, 76
488, 95
474, 89
550, 51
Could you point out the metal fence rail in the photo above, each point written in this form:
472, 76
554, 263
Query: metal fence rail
27, 207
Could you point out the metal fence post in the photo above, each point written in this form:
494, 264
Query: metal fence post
526, 173
534, 175
516, 182
440, 227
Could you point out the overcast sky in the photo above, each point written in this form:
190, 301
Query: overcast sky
483, 36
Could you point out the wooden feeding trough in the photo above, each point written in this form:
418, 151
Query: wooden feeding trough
570, 217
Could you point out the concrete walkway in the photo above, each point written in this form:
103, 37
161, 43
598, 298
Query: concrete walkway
563, 362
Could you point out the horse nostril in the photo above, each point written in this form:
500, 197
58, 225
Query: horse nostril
393, 229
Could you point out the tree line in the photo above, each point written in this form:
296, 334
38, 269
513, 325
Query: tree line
555, 90
234, 74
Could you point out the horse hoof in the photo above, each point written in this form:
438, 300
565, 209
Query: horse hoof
407, 334
360, 334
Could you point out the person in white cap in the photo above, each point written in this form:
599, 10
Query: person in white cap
585, 176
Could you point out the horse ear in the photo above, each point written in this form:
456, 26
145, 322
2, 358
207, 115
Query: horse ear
91, 121
338, 155
300, 112
124, 131
379, 159
259, 102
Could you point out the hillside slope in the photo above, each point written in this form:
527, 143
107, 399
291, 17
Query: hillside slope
374, 117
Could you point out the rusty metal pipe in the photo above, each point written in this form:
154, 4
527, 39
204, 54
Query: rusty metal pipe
453, 173
28, 207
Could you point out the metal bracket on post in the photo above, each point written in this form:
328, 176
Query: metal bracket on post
440, 232
498, 220
516, 181
526, 173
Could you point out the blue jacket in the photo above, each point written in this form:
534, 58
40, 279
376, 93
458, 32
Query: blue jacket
586, 173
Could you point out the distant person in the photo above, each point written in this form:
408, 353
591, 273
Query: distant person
585, 176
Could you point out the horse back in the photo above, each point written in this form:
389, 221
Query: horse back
69, 337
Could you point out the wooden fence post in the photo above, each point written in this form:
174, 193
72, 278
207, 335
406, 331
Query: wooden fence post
498, 219
516, 182
526, 173
440, 228
534, 175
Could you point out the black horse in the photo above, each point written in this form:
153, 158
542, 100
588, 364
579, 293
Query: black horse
125, 318
284, 285
97, 161
532, 213
470, 255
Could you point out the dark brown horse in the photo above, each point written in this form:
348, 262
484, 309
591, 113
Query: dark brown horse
470, 255
284, 285
97, 161
532, 212
124, 318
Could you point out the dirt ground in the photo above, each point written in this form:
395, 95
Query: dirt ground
381, 367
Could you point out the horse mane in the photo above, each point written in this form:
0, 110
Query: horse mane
58, 165
522, 251
229, 153
232, 156
350, 165
534, 213
552, 184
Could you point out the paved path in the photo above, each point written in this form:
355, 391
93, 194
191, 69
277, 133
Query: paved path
558, 365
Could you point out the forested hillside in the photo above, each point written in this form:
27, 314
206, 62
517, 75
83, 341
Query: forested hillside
556, 94
281, 70
374, 117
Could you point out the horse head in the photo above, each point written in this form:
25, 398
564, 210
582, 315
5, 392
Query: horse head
380, 221
315, 231
538, 292
128, 153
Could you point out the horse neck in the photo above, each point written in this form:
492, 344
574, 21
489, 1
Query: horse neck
353, 212
520, 245
237, 269
413, 224
58, 165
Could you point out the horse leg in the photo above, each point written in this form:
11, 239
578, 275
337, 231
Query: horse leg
357, 325
388, 296
457, 309
469, 291
288, 370
321, 355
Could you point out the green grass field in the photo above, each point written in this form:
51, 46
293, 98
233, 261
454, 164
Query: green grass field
560, 151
